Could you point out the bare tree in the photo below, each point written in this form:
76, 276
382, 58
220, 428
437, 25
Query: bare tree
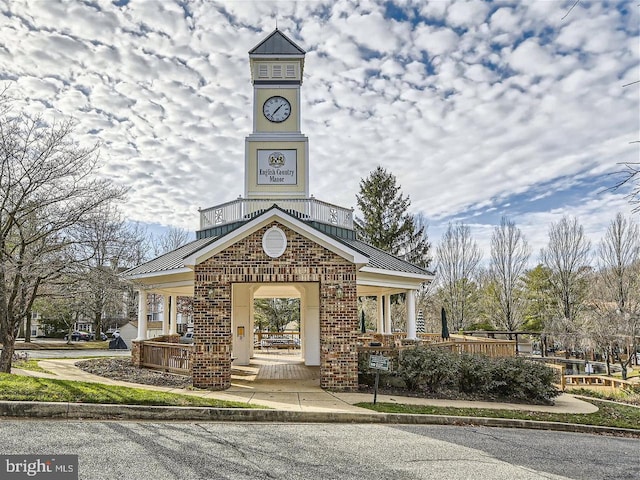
631, 177
170, 240
509, 256
616, 291
567, 257
458, 256
109, 246
47, 186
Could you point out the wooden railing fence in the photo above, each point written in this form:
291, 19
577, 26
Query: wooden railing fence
168, 357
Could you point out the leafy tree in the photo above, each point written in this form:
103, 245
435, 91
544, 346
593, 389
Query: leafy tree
509, 256
386, 223
47, 187
275, 314
458, 256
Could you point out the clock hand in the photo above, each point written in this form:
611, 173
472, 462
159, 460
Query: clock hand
276, 110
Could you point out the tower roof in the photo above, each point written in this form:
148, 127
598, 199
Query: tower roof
277, 43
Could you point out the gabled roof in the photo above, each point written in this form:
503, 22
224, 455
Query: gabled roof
372, 259
276, 213
277, 43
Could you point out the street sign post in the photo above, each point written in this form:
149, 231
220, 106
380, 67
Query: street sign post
378, 362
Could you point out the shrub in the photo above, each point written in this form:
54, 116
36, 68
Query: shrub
474, 374
433, 370
522, 381
427, 368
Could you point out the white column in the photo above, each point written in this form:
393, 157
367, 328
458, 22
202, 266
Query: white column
411, 314
173, 327
165, 314
387, 314
142, 315
379, 319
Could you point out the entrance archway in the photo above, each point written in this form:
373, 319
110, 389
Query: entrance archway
243, 317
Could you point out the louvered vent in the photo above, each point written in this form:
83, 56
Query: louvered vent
274, 242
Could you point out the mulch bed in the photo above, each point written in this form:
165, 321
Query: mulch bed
122, 369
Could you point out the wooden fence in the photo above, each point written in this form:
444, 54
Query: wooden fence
456, 343
596, 381
496, 348
168, 357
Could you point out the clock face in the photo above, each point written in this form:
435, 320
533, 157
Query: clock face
276, 109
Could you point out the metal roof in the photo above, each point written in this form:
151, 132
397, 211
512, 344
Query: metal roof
277, 43
383, 260
169, 261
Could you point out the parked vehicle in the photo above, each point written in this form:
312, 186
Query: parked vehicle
187, 338
77, 335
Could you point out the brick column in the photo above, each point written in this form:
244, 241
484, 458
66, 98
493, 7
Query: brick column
338, 330
211, 331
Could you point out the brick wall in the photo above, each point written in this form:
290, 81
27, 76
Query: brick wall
302, 261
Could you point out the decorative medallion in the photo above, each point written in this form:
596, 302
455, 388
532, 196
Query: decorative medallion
276, 159
274, 242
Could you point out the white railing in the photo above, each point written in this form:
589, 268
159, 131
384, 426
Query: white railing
305, 208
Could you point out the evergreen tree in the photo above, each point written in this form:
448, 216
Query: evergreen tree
386, 223
540, 300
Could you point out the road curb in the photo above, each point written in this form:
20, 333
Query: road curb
87, 411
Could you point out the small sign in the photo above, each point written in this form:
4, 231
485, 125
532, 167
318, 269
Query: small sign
52, 467
379, 362
277, 167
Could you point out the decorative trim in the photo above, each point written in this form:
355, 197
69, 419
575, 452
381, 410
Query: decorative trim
274, 242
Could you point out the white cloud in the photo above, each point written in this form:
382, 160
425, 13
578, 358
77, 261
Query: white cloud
465, 14
490, 114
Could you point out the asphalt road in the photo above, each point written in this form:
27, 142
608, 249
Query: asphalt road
158, 451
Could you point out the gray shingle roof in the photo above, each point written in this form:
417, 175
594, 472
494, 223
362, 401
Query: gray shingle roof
277, 44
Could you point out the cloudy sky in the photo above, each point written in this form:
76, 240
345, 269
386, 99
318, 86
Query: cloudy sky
480, 109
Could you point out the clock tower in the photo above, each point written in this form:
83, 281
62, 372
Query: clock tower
276, 152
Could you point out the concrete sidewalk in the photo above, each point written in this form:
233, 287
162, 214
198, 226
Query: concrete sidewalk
301, 395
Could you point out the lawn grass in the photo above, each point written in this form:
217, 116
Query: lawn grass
618, 395
22, 388
31, 365
608, 415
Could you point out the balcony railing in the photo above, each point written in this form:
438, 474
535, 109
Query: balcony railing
308, 209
